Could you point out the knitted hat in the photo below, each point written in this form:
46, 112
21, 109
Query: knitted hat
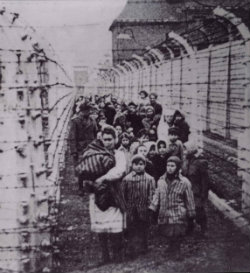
176, 160
136, 158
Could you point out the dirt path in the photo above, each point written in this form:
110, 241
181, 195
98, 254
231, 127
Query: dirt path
224, 249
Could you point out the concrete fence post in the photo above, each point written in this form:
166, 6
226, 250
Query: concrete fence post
196, 122
244, 136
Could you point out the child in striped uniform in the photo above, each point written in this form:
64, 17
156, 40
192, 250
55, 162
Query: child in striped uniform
174, 200
138, 188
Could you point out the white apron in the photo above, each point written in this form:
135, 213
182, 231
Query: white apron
110, 220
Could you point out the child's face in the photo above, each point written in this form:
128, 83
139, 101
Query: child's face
173, 138
138, 167
118, 108
162, 149
102, 121
142, 151
171, 167
178, 118
101, 104
118, 130
125, 142
168, 118
152, 152
130, 131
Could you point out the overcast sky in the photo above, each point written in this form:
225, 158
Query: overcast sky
78, 29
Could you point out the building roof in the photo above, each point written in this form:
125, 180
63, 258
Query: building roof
149, 11
165, 11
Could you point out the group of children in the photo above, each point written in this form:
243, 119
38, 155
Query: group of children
166, 180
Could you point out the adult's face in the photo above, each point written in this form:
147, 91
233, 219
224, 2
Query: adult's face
132, 108
118, 129
108, 141
152, 99
143, 96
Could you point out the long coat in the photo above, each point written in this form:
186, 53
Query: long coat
196, 170
83, 130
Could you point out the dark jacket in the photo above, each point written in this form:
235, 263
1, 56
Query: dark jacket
182, 126
83, 130
196, 170
157, 108
110, 112
135, 122
159, 163
158, 113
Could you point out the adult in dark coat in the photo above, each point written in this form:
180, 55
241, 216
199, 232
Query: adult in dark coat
133, 119
157, 107
83, 130
180, 122
160, 159
110, 112
195, 168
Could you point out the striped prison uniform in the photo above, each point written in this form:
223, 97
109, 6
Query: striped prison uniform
174, 200
138, 190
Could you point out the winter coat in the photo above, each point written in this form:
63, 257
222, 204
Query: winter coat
158, 112
83, 130
183, 127
159, 163
135, 122
110, 112
196, 170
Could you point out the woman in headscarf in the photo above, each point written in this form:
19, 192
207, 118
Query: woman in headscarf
166, 122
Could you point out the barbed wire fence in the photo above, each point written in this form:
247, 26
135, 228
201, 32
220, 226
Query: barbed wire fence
210, 84
203, 72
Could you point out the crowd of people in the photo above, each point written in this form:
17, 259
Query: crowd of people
140, 168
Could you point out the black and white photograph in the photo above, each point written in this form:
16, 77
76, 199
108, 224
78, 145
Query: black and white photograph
124, 136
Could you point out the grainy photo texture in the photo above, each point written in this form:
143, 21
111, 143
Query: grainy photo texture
124, 136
